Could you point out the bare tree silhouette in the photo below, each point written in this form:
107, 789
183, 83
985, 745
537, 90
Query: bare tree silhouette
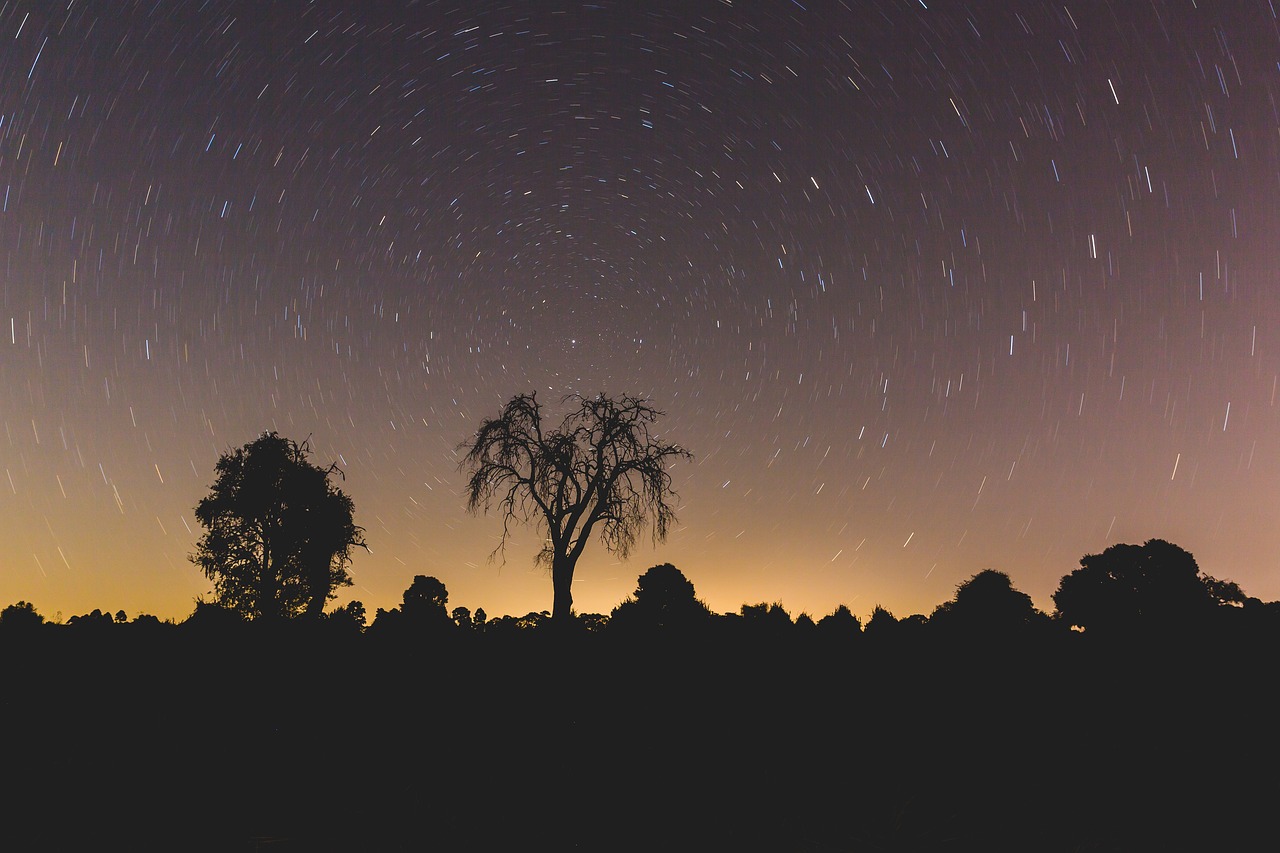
602, 469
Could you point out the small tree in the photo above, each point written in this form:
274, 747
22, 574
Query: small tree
840, 625
278, 534
20, 616
664, 598
987, 604
601, 469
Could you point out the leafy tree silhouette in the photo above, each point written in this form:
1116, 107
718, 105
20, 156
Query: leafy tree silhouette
602, 469
213, 617
278, 534
664, 598
20, 616
766, 622
1130, 587
350, 616
840, 626
461, 617
91, 621
882, 624
425, 605
987, 605
425, 598
423, 610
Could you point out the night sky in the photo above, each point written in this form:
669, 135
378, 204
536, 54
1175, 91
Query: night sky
927, 287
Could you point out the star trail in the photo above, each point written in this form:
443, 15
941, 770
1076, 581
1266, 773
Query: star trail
926, 287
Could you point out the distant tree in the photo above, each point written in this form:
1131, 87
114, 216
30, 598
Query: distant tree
145, 621
1128, 587
278, 534
212, 616
387, 622
96, 619
514, 626
766, 619
426, 599
20, 616
423, 610
840, 625
425, 606
461, 617
988, 604
121, 617
664, 598
593, 623
602, 469
350, 616
882, 623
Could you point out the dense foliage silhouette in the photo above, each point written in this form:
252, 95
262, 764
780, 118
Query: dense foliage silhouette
278, 533
602, 469
1154, 586
664, 599
986, 725
987, 605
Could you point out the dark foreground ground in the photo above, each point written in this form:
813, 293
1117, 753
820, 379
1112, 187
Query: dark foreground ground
182, 742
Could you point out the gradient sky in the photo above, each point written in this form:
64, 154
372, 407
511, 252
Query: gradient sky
927, 287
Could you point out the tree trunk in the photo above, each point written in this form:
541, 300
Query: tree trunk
561, 581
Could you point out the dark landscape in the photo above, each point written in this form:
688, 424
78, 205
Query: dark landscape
987, 726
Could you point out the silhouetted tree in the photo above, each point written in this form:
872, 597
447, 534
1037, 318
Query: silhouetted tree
278, 534
461, 617
423, 610
514, 626
593, 623
425, 606
212, 616
1156, 584
766, 620
987, 604
664, 598
601, 469
89, 621
425, 600
20, 616
350, 616
882, 623
387, 622
840, 625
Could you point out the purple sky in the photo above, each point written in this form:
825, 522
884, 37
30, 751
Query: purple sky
927, 288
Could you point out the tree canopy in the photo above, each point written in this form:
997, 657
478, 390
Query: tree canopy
664, 598
987, 603
601, 470
1156, 584
278, 532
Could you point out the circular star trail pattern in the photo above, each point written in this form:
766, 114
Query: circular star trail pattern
926, 287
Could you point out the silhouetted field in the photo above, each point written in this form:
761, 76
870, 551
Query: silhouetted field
307, 738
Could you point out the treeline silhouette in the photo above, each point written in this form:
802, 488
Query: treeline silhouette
1138, 715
